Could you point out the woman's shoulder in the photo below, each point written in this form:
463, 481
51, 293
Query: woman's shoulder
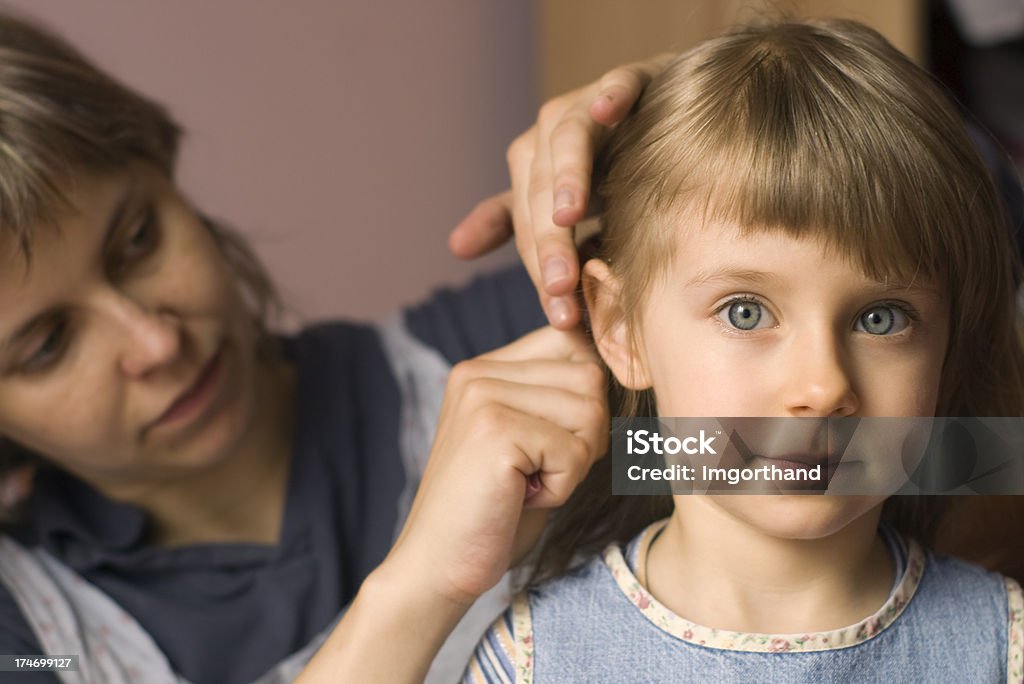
340, 365
461, 322
16, 635
488, 312
330, 342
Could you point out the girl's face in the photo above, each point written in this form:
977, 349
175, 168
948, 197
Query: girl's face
769, 325
126, 352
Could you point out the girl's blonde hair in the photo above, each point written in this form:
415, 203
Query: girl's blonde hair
818, 129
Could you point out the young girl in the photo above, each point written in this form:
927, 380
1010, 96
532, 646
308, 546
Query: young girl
796, 225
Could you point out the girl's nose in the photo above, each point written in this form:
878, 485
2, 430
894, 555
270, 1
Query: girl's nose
151, 339
818, 381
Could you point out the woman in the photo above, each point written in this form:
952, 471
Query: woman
209, 496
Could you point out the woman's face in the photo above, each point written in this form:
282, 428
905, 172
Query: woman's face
769, 325
126, 351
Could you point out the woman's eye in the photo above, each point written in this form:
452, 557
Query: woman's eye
883, 319
49, 351
143, 239
746, 314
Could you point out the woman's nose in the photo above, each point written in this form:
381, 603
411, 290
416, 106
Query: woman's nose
818, 377
151, 339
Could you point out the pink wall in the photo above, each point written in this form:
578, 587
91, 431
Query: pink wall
344, 137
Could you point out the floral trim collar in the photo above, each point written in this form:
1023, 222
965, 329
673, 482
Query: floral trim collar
699, 635
1015, 651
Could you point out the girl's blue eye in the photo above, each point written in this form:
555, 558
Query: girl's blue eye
883, 319
745, 314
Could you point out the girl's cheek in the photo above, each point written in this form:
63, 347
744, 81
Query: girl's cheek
711, 385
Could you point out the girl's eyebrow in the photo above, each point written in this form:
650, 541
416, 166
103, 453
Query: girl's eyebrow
116, 216
730, 274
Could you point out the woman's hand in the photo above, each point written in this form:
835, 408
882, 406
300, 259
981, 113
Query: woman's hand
519, 429
550, 167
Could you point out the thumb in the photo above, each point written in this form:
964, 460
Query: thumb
484, 229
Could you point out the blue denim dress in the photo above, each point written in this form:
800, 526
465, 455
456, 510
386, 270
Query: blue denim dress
944, 621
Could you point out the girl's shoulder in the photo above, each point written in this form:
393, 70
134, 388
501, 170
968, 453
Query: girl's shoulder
957, 582
979, 603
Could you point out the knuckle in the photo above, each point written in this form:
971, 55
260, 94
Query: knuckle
516, 150
570, 173
519, 150
461, 373
550, 112
626, 76
477, 390
566, 126
488, 418
613, 79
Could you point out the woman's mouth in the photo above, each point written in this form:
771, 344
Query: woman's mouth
197, 397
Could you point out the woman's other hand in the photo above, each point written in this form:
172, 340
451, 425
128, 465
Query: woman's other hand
550, 166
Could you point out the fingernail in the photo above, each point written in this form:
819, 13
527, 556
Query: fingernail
563, 199
558, 310
555, 269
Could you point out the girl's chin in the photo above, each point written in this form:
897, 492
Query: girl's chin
798, 517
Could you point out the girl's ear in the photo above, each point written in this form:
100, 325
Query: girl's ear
603, 293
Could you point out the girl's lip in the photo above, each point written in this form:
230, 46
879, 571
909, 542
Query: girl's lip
196, 396
803, 459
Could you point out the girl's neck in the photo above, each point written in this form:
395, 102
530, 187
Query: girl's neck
751, 581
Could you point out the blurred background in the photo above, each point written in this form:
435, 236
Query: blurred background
347, 138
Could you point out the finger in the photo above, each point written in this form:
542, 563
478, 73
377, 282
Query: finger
572, 158
560, 460
485, 228
508, 441
586, 377
555, 247
620, 88
584, 415
561, 311
558, 262
520, 158
547, 343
